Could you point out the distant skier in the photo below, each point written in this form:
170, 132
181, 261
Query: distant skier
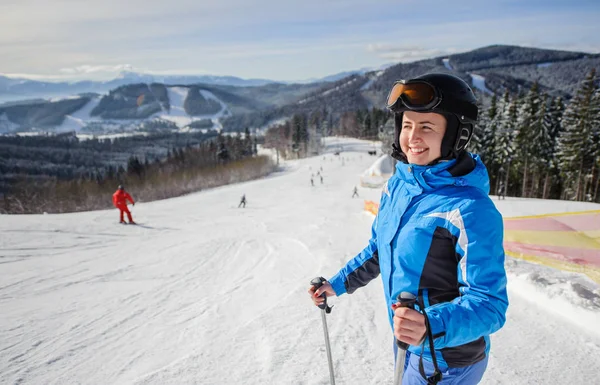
242, 201
501, 191
355, 193
312, 181
321, 176
120, 198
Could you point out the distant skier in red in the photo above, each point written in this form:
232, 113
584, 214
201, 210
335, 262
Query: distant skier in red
120, 198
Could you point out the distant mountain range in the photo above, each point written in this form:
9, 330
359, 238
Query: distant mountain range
237, 103
17, 89
12, 89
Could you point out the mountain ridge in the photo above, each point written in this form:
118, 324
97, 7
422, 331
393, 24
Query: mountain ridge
497, 68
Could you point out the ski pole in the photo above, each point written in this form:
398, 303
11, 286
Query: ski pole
317, 283
405, 299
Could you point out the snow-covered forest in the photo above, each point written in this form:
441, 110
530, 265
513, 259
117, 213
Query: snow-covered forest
533, 144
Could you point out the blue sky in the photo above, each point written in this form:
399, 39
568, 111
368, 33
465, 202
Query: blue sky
272, 39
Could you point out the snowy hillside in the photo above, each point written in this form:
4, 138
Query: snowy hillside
478, 82
176, 114
79, 119
202, 292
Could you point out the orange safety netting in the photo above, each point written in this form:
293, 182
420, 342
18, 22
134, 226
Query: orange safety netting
567, 241
372, 207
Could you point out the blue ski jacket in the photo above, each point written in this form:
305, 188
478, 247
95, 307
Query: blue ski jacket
439, 236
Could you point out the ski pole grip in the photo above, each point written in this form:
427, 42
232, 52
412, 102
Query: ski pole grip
405, 299
317, 283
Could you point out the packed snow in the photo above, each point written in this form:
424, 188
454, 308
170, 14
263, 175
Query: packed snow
478, 82
177, 114
177, 97
6, 125
372, 79
80, 118
60, 98
204, 292
447, 64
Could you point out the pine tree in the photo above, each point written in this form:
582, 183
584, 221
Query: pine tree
505, 139
247, 151
134, 167
299, 134
577, 150
595, 116
541, 147
475, 145
488, 135
529, 131
552, 119
367, 125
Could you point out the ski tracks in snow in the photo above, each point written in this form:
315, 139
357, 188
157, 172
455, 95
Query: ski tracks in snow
211, 295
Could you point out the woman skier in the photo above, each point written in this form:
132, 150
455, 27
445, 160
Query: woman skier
437, 236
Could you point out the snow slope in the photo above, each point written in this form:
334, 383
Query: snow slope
80, 118
177, 97
478, 82
6, 125
205, 293
447, 64
177, 114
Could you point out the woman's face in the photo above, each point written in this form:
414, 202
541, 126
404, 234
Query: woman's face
421, 136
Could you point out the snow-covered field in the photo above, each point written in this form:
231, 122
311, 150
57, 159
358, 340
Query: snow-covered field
202, 292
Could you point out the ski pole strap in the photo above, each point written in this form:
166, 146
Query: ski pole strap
317, 283
437, 374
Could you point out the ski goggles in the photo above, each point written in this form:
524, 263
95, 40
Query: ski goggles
416, 95
420, 96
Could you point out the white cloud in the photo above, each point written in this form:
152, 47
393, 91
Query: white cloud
265, 38
90, 69
402, 53
105, 72
30, 76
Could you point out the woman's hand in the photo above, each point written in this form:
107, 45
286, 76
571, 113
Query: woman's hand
315, 295
409, 325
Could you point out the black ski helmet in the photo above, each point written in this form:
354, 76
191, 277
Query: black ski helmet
447, 95
121, 187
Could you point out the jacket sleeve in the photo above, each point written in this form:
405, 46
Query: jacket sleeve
481, 308
129, 198
360, 270
114, 199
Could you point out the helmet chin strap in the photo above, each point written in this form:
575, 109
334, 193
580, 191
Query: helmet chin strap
448, 149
